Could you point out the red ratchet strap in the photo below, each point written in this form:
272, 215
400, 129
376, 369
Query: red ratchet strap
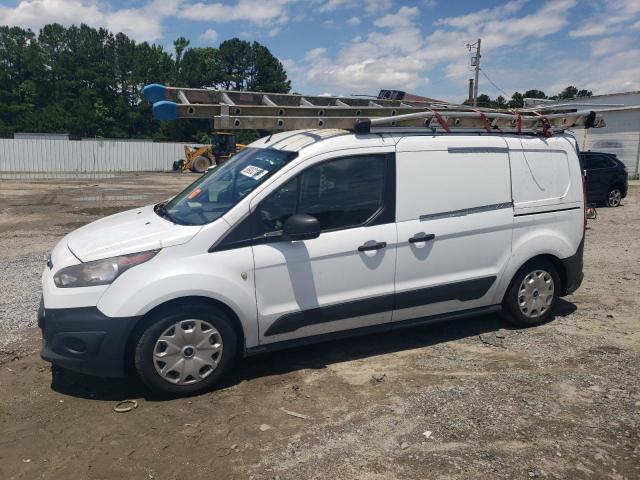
545, 124
518, 120
441, 121
485, 120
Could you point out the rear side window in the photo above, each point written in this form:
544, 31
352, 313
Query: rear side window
599, 161
340, 193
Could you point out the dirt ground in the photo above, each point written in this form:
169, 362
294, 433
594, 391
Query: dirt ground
462, 400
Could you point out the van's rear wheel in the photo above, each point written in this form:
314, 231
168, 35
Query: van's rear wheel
186, 351
533, 294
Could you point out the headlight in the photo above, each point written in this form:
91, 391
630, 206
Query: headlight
99, 272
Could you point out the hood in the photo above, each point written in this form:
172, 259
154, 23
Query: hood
132, 231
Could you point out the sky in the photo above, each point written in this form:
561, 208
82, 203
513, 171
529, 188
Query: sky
344, 47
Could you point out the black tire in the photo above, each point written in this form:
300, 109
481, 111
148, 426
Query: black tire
144, 352
543, 312
200, 164
614, 197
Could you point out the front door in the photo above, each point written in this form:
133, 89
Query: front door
343, 279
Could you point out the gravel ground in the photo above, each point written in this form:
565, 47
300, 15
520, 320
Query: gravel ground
20, 284
468, 399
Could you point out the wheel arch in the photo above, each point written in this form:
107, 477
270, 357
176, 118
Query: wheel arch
553, 259
178, 303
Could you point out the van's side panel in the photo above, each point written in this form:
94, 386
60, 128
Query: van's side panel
548, 201
457, 189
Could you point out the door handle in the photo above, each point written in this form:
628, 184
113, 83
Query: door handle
422, 238
373, 246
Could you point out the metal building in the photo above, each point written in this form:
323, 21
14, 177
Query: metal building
43, 156
621, 136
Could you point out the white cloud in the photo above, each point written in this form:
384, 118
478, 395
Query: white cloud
403, 18
499, 28
314, 54
471, 19
259, 12
36, 13
610, 45
330, 5
371, 7
143, 23
380, 60
612, 18
353, 21
210, 35
397, 54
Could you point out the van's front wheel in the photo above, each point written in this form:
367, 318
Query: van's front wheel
185, 352
533, 294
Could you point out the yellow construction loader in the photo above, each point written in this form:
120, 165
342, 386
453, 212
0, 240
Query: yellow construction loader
221, 146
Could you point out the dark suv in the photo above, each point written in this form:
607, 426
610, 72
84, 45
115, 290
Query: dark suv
607, 178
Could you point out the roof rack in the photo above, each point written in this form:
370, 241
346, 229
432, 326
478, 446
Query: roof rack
276, 111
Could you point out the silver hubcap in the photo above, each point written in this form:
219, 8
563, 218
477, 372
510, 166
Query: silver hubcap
615, 197
535, 294
187, 352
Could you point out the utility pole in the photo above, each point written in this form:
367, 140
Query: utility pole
475, 62
470, 90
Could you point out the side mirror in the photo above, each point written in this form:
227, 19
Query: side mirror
301, 227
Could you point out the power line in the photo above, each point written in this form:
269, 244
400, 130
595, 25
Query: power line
492, 82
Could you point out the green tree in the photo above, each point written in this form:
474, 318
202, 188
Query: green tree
500, 102
517, 100
200, 68
87, 81
179, 44
234, 63
534, 94
484, 101
266, 73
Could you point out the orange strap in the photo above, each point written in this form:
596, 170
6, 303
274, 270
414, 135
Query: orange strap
441, 120
545, 124
485, 120
518, 120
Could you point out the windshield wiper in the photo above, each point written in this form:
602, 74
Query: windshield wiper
161, 210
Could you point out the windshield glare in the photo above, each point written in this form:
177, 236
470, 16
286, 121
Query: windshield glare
213, 194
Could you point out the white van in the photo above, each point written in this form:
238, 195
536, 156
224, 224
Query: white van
312, 235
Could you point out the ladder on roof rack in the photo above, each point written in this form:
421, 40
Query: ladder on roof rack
276, 111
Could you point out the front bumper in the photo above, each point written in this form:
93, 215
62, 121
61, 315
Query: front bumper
85, 340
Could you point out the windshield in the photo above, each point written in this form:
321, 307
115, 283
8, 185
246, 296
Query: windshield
213, 194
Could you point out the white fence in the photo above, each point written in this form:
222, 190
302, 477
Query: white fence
48, 157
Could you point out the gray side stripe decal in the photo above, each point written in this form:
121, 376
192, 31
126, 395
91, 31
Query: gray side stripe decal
467, 211
478, 150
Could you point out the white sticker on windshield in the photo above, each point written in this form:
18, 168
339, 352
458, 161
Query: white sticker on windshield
253, 172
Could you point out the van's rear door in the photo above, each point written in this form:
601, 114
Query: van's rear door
454, 219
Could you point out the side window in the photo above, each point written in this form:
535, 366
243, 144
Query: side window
343, 193
598, 161
340, 193
279, 206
